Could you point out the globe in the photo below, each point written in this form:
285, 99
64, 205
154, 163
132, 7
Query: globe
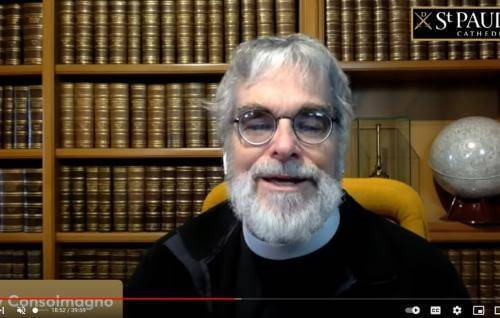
465, 158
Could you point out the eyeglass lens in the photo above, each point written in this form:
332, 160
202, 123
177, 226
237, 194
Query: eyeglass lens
258, 127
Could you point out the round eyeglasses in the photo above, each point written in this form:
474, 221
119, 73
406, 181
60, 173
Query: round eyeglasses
258, 127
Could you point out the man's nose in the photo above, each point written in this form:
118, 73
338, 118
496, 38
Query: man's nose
284, 144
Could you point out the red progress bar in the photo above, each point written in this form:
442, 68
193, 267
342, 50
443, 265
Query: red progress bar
129, 298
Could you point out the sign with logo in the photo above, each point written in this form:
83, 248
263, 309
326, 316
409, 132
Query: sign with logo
455, 23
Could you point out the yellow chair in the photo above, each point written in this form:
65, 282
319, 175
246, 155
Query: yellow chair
390, 198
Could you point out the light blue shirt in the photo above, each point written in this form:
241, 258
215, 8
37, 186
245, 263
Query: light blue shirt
288, 251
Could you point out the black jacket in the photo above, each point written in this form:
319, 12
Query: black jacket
379, 259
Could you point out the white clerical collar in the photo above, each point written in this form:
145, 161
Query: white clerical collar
288, 251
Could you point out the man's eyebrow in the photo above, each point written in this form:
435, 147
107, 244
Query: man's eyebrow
308, 106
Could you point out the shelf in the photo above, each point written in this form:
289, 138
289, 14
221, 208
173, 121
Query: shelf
20, 70
21, 237
456, 232
20, 154
140, 69
110, 237
116, 153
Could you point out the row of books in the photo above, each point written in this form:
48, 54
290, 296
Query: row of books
132, 198
479, 270
137, 115
365, 30
99, 263
20, 200
21, 116
21, 33
166, 31
20, 264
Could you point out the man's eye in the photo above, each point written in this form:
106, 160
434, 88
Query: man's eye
311, 126
258, 126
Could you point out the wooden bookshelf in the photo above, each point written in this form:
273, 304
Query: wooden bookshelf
21, 238
82, 153
12, 154
20, 70
141, 69
482, 75
112, 237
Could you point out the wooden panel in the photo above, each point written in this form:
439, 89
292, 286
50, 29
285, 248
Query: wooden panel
308, 17
49, 174
455, 232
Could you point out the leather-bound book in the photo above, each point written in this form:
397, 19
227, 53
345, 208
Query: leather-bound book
150, 31
119, 115
104, 198
152, 198
92, 198
184, 25
195, 118
175, 115
118, 32
32, 24
66, 31
135, 196
84, 32
101, 32
84, 115
35, 119
120, 204
67, 115
156, 112
168, 31
138, 116
33, 200
286, 17
168, 198
78, 198
231, 27
184, 194
102, 130
215, 31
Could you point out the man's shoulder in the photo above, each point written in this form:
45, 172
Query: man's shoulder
202, 233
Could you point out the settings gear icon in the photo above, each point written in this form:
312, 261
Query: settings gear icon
457, 310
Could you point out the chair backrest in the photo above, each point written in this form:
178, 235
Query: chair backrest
390, 198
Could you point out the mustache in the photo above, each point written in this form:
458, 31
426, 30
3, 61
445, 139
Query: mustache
292, 169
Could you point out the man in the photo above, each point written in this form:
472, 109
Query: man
288, 231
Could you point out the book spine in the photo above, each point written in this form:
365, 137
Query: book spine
175, 115
168, 198
133, 258
347, 30
67, 264
1, 112
470, 48
215, 176
119, 115
213, 139
34, 264
33, 200
184, 24
485, 279
134, 32
78, 198
496, 275
2, 32
117, 264
138, 116
194, 115
21, 117
168, 31
101, 112
8, 117
12, 34
32, 22
399, 34
286, 21
184, 194
119, 187
67, 32
104, 198
85, 263
151, 31
381, 30
84, 48
152, 198
18, 264
363, 30
199, 188
101, 31
5, 264
487, 49
65, 200
67, 115
12, 208
135, 195
231, 27
92, 198
200, 31
333, 27
215, 31
156, 115
103, 263
118, 32
248, 20
35, 116
469, 271
265, 18
438, 50
84, 115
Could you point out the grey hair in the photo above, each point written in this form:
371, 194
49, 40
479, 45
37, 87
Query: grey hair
308, 56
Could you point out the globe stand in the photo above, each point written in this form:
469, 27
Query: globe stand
470, 211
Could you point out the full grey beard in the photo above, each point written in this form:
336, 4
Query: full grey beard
284, 217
